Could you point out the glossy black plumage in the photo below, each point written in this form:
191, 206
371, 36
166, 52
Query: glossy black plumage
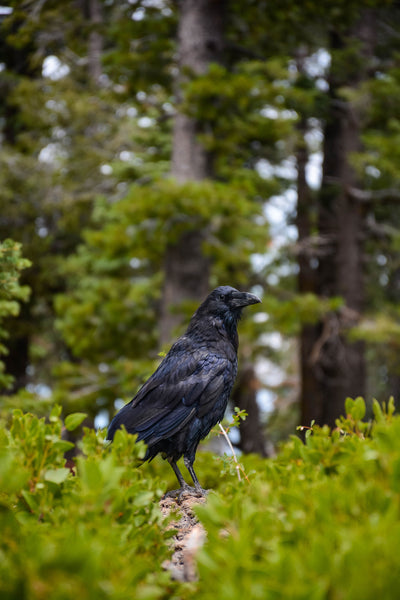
188, 393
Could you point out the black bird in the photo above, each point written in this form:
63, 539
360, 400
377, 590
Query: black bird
188, 393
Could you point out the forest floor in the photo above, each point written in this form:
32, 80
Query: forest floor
190, 536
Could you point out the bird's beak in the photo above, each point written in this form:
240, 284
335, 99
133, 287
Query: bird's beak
241, 299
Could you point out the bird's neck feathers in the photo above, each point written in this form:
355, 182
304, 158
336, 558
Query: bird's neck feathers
225, 324
230, 321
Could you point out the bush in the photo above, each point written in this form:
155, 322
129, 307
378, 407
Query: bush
94, 533
320, 521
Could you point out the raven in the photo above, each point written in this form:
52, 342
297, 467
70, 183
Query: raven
188, 393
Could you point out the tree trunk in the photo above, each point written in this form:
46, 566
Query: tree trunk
340, 364
252, 438
17, 360
186, 278
186, 268
95, 45
200, 42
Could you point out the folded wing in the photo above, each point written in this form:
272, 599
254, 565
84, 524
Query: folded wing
177, 392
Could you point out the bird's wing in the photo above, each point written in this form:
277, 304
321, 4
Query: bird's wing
185, 384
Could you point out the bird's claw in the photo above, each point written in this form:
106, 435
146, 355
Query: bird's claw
186, 491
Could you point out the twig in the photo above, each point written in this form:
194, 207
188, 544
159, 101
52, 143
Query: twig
385, 195
237, 466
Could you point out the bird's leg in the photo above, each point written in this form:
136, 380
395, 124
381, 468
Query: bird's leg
185, 489
189, 465
177, 472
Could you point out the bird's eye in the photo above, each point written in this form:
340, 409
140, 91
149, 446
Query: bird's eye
222, 296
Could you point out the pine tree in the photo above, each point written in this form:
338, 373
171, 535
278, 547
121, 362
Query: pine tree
12, 293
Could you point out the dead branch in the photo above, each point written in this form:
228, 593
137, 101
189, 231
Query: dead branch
370, 196
237, 466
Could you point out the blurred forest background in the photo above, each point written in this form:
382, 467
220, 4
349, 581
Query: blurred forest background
151, 150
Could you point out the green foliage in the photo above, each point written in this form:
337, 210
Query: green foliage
319, 521
11, 263
84, 185
290, 313
73, 420
11, 292
141, 49
109, 313
59, 137
93, 532
381, 133
230, 107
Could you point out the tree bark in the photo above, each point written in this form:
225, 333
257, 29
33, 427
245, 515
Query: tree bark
186, 278
95, 45
341, 363
252, 438
338, 363
186, 268
200, 42
17, 360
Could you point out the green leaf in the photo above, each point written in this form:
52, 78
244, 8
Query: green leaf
56, 475
74, 420
355, 408
391, 407
30, 500
62, 445
359, 408
55, 413
348, 405
144, 498
377, 410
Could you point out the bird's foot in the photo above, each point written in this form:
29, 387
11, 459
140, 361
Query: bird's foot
186, 491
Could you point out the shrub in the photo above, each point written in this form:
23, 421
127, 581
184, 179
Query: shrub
95, 532
319, 521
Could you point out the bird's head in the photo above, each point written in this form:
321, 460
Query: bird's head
222, 308
226, 302
225, 298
